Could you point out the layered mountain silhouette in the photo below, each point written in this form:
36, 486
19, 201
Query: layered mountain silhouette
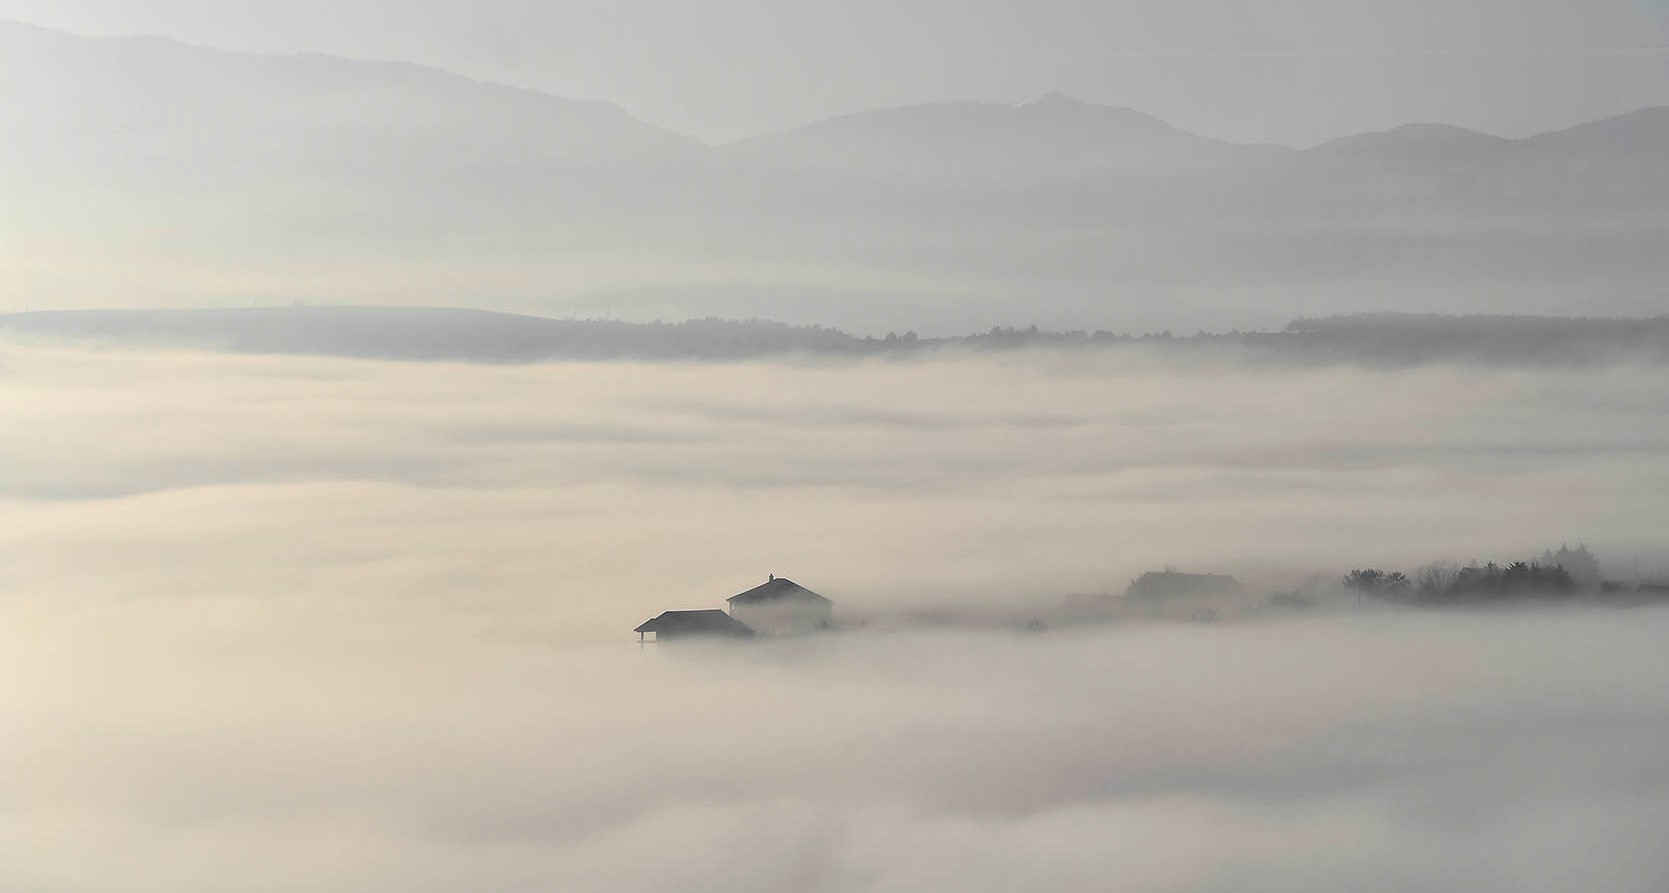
1053, 136
164, 173
154, 114
1417, 144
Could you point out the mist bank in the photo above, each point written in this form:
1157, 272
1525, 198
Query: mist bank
271, 623
443, 334
583, 498
371, 744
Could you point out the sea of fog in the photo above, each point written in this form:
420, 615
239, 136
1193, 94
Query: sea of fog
283, 623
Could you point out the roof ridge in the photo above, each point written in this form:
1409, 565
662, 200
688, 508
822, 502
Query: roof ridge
776, 587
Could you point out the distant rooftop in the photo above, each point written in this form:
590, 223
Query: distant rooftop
777, 589
695, 623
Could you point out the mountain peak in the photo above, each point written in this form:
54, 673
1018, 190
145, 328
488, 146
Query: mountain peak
1054, 98
1422, 141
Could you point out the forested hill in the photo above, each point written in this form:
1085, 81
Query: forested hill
441, 334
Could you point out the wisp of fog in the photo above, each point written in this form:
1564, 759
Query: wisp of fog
280, 623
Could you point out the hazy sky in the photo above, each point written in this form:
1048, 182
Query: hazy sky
1293, 70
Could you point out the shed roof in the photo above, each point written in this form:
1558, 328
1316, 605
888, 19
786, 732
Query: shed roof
695, 623
777, 589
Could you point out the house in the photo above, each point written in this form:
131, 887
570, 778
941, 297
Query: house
780, 606
693, 624
1173, 584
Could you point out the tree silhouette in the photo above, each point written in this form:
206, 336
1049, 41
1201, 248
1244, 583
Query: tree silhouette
1377, 583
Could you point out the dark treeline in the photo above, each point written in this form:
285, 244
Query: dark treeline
1571, 575
439, 334
1415, 338
1395, 339
1467, 585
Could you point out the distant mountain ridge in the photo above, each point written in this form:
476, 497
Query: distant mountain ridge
173, 174
37, 58
150, 113
31, 52
1054, 134
1440, 141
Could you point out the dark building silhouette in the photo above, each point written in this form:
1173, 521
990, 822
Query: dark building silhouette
693, 624
1167, 584
781, 606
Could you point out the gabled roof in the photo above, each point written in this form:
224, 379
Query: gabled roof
695, 623
777, 589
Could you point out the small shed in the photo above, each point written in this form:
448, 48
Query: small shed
693, 624
781, 606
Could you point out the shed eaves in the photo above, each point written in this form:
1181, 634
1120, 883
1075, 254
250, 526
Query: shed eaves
687, 623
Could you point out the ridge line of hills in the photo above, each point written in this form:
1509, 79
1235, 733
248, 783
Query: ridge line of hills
170, 175
483, 336
1054, 100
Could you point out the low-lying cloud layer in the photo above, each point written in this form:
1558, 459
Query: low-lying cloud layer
281, 623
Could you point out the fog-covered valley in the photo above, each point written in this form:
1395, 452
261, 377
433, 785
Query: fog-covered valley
280, 621
835, 448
